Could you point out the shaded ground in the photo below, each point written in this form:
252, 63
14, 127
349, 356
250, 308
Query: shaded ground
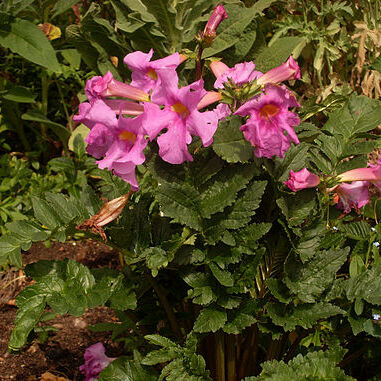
62, 353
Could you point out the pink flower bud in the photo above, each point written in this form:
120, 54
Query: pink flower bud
218, 68
288, 70
301, 180
361, 174
219, 14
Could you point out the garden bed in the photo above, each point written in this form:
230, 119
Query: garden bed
62, 354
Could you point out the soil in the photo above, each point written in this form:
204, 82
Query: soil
58, 358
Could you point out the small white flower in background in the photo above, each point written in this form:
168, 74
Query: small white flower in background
376, 317
335, 228
373, 229
376, 244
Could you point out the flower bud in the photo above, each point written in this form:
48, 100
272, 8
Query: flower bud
219, 14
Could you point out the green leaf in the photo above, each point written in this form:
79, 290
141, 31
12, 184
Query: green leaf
30, 312
73, 57
360, 114
230, 30
161, 341
309, 280
25, 38
317, 366
223, 276
159, 356
210, 320
180, 202
156, 258
277, 53
124, 369
366, 285
222, 189
45, 213
62, 5
9, 247
61, 131
165, 15
305, 315
356, 230
20, 94
229, 142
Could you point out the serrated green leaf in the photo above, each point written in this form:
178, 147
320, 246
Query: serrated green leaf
156, 258
223, 188
180, 202
223, 276
366, 285
161, 341
305, 315
210, 320
159, 356
360, 114
309, 280
124, 369
356, 230
45, 213
229, 142
317, 366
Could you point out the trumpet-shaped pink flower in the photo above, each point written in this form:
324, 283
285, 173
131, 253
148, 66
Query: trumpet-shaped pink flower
219, 14
126, 150
362, 174
106, 86
301, 180
269, 120
146, 74
288, 70
241, 73
96, 113
354, 195
181, 119
95, 361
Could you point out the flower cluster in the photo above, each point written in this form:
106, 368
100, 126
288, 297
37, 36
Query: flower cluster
123, 117
353, 190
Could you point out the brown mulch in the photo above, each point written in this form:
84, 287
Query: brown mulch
62, 353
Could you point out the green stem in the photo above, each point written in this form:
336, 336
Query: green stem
220, 356
199, 63
167, 307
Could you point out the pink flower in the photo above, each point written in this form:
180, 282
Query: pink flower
123, 146
97, 112
106, 86
181, 118
241, 73
288, 70
95, 361
219, 14
146, 74
269, 120
354, 195
301, 180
